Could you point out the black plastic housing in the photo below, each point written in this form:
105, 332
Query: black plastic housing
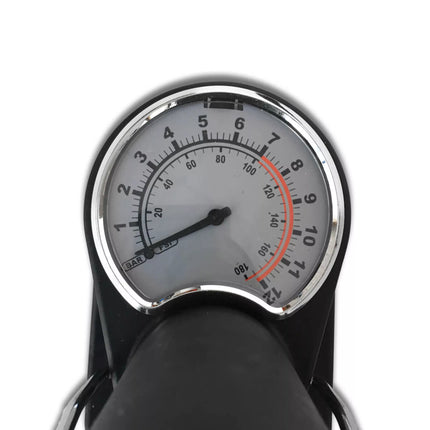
117, 328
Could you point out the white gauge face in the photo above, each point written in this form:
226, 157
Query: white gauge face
221, 189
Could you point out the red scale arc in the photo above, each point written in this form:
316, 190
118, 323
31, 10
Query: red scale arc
278, 254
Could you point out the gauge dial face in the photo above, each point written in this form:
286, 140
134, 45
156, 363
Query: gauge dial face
217, 188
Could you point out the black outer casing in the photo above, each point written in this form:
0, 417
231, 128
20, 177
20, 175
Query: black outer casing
308, 334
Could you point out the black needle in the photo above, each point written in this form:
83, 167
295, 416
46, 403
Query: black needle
215, 217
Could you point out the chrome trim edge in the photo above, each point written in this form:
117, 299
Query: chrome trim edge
273, 106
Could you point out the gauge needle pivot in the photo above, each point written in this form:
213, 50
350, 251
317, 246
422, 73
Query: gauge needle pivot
214, 217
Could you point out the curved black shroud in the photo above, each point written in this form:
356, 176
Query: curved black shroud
308, 335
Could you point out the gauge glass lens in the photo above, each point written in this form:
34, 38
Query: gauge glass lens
215, 190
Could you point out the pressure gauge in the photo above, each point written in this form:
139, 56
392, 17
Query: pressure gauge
217, 187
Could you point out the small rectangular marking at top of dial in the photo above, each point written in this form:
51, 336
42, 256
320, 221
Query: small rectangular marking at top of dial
220, 103
235, 136
205, 134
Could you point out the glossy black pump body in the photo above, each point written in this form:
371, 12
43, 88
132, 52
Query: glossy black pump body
121, 339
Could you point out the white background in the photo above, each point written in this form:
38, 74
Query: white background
70, 70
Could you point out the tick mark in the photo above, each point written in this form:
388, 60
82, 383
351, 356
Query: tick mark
175, 145
263, 150
264, 285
